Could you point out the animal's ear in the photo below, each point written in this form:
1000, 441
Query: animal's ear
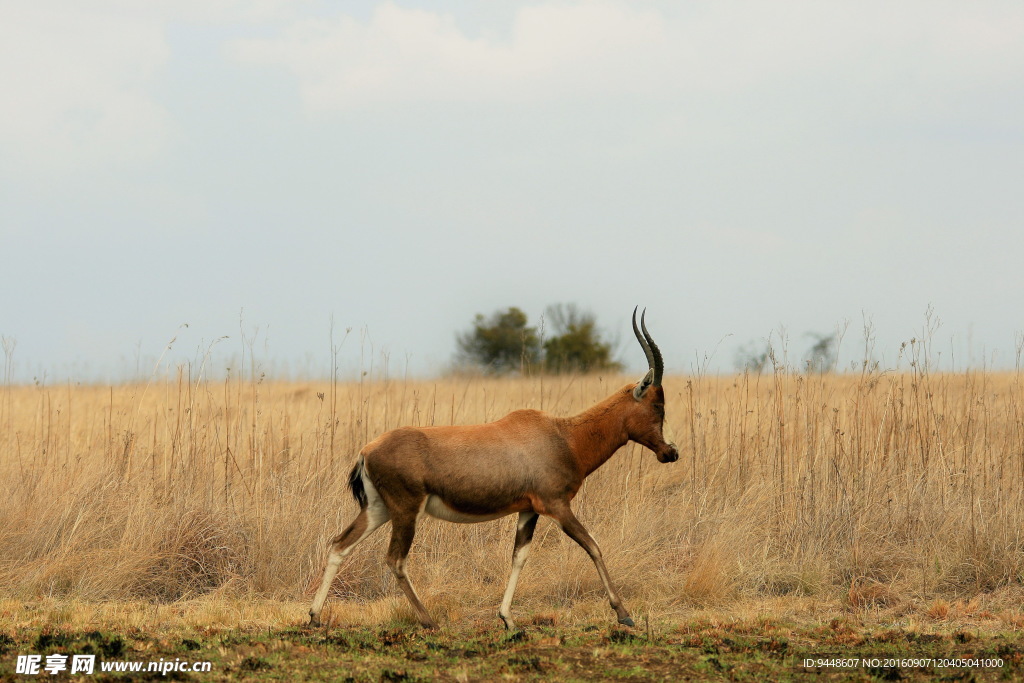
643, 385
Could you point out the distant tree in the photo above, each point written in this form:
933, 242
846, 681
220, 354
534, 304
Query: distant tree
752, 358
499, 344
822, 356
577, 345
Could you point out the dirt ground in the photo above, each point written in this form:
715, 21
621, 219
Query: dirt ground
252, 642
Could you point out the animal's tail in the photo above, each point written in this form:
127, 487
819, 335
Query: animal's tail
355, 483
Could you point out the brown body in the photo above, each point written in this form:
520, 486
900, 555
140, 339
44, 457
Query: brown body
528, 462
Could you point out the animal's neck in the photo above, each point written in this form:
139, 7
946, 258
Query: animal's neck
597, 432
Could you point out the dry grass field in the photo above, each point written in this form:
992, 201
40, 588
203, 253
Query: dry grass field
882, 498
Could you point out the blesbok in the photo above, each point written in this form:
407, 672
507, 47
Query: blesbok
528, 462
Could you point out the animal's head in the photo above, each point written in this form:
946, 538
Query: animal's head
646, 422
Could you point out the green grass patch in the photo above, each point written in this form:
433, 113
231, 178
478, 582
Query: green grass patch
755, 650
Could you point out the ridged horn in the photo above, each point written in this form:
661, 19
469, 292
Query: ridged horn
643, 339
659, 362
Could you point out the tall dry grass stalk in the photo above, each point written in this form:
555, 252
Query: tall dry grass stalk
909, 485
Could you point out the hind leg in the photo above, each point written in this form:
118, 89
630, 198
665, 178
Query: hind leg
403, 529
369, 520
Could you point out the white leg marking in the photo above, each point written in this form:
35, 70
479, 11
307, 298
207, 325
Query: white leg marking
517, 566
376, 515
518, 560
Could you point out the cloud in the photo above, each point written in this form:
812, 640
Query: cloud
614, 49
75, 82
79, 78
220, 12
403, 55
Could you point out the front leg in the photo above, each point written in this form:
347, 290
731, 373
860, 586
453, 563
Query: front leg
577, 532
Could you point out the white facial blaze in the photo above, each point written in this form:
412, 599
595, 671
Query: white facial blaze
667, 433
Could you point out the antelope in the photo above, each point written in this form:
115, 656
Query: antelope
528, 462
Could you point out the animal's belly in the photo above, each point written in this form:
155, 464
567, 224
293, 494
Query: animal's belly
435, 507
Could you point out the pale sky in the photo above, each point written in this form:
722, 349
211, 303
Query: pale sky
736, 167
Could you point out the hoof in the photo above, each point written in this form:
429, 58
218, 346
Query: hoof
429, 625
516, 636
627, 621
314, 621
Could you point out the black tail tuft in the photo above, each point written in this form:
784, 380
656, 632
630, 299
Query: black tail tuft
355, 483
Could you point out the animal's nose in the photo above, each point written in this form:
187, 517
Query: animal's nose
671, 455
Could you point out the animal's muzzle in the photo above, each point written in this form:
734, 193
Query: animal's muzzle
669, 455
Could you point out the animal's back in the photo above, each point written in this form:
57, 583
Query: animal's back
476, 470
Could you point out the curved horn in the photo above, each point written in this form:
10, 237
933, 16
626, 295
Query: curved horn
643, 341
658, 363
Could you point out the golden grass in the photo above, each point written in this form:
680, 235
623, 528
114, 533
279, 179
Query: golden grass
867, 491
